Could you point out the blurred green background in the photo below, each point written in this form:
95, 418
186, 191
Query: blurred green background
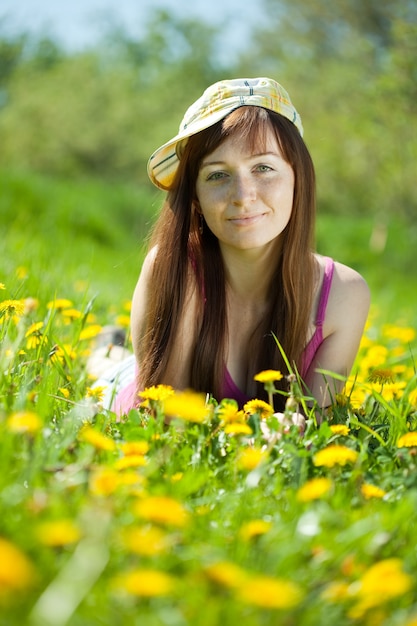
77, 127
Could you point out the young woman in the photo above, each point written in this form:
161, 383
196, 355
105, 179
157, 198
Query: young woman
231, 267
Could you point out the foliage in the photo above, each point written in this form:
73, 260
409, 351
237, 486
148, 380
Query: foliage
144, 521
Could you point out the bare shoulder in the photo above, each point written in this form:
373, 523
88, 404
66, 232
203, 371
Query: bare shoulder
349, 299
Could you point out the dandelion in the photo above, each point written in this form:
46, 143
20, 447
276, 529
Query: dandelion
314, 489
237, 428
157, 393
254, 528
16, 571
382, 582
56, 533
269, 593
229, 412
96, 393
409, 440
187, 405
340, 429
337, 591
133, 460
65, 392
59, 304
162, 510
250, 458
89, 332
372, 491
104, 481
2, 286
268, 376
259, 407
135, 447
34, 329
123, 320
226, 574
402, 334
412, 397
71, 314
146, 541
147, 583
98, 440
26, 422
335, 455
381, 376
12, 308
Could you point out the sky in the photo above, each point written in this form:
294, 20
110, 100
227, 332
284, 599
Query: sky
78, 23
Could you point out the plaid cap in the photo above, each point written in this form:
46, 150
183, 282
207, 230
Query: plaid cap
217, 101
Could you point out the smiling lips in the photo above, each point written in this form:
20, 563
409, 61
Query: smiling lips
246, 220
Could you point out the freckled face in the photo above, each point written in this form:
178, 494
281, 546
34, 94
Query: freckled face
246, 199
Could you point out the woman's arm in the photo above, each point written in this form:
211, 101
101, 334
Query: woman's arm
346, 315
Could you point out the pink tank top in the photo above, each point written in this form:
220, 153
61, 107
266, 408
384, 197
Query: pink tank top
231, 390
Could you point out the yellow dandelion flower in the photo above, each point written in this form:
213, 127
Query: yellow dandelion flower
146, 541
59, 532
175, 478
268, 376
226, 574
237, 428
342, 399
16, 571
98, 440
372, 491
229, 412
340, 429
140, 447
314, 489
334, 455
409, 440
104, 481
72, 314
381, 376
24, 422
132, 460
187, 405
337, 591
162, 510
33, 342
123, 320
269, 593
34, 328
383, 581
97, 393
22, 272
2, 286
404, 334
89, 332
59, 304
254, 528
391, 391
157, 393
11, 308
147, 583
412, 397
263, 409
249, 458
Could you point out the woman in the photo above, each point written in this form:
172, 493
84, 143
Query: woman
231, 268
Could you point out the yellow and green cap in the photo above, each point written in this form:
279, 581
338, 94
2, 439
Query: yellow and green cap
217, 101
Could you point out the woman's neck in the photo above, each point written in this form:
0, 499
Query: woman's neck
249, 272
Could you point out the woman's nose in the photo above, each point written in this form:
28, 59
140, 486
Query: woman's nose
243, 190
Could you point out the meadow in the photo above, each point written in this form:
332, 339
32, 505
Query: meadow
206, 520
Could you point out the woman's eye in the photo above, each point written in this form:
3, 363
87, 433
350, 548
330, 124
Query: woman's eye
264, 168
216, 175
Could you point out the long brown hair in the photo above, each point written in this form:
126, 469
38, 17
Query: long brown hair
184, 252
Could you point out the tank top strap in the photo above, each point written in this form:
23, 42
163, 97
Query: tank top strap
325, 291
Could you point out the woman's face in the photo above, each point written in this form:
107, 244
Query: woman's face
244, 194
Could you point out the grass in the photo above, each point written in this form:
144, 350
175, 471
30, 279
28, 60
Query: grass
205, 520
